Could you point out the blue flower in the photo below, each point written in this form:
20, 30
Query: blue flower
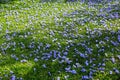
12, 77
115, 43
36, 60
83, 70
119, 38
44, 66
85, 77
101, 69
116, 70
82, 55
113, 59
68, 69
86, 63
65, 53
73, 71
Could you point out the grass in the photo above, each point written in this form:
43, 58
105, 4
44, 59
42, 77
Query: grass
27, 27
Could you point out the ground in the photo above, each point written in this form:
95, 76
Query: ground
59, 40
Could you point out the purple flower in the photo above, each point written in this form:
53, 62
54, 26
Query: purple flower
44, 66
89, 50
90, 73
113, 59
86, 63
101, 69
73, 71
116, 70
85, 77
82, 55
65, 53
119, 38
59, 56
115, 43
55, 54
83, 70
12, 77
103, 64
48, 46
68, 69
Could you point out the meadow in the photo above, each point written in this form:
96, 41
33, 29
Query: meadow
59, 40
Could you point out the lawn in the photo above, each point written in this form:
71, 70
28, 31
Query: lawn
59, 40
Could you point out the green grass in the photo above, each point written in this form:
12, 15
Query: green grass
47, 22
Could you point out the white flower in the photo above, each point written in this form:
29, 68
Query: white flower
58, 78
111, 72
66, 77
44, 65
36, 60
78, 65
23, 61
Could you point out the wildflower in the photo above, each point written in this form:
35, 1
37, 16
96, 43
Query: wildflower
66, 77
82, 55
67, 60
101, 69
110, 72
68, 69
85, 77
7, 31
78, 65
115, 43
86, 63
23, 61
55, 54
11, 72
103, 64
73, 71
116, 70
83, 70
44, 66
118, 56
58, 78
36, 60
119, 38
113, 59
65, 53
48, 46
34, 69
12, 77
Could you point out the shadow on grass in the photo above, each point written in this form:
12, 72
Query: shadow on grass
6, 1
